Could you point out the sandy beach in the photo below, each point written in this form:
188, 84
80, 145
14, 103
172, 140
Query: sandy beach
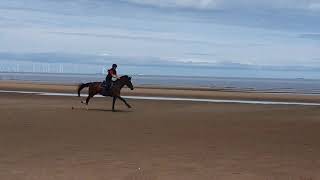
44, 138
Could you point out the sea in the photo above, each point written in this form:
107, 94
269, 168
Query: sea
227, 79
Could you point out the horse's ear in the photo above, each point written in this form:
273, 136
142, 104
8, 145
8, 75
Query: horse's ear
130, 78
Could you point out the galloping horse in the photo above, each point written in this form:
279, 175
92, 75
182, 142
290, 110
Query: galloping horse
114, 91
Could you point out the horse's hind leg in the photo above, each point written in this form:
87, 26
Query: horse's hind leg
87, 100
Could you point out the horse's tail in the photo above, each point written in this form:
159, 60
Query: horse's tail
81, 86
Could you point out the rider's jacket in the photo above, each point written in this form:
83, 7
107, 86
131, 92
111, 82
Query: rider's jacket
111, 72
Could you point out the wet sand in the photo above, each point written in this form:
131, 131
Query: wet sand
169, 92
42, 137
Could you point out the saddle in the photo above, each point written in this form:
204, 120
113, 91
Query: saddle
103, 84
105, 89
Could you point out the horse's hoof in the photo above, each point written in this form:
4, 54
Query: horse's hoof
129, 107
84, 103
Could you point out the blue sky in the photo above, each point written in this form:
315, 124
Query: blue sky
260, 32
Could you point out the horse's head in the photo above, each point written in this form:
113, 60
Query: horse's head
127, 81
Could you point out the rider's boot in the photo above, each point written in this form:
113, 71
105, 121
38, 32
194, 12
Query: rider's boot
110, 85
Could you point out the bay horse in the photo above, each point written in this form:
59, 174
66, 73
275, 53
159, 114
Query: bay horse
114, 91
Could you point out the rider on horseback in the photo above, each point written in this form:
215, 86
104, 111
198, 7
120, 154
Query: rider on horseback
112, 73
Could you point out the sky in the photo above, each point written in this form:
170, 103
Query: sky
248, 32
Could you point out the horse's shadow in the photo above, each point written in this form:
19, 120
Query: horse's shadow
108, 110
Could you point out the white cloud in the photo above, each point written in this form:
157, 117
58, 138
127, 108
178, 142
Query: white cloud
197, 4
232, 4
315, 6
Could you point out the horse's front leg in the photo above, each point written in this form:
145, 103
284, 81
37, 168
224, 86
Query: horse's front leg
123, 100
113, 102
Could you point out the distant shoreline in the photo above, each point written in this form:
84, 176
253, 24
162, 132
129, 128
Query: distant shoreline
226, 84
151, 75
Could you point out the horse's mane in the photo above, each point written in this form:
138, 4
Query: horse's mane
124, 76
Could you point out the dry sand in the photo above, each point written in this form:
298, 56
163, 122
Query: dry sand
43, 138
